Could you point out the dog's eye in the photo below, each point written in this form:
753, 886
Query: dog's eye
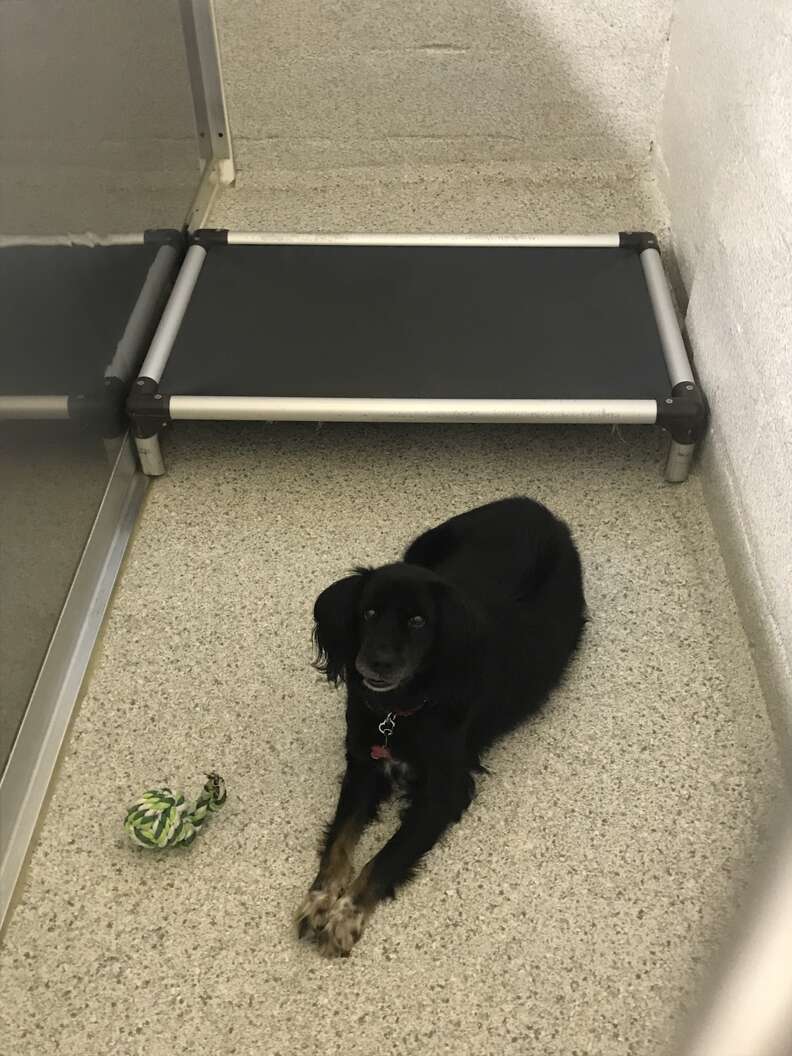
416, 621
369, 614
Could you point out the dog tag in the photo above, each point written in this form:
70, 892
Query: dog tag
380, 751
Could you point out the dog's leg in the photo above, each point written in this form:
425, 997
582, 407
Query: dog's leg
362, 790
423, 823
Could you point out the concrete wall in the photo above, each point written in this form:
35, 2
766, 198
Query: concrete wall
725, 152
328, 83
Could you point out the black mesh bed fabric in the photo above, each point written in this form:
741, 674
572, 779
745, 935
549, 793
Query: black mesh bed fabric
419, 321
64, 311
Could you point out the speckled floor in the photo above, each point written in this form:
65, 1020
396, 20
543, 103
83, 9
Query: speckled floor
572, 909
488, 197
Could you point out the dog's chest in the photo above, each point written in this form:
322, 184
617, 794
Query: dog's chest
397, 770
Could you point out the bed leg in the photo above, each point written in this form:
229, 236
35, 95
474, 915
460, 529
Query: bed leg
150, 455
683, 414
678, 462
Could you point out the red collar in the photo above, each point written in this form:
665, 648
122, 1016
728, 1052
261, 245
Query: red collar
401, 713
386, 728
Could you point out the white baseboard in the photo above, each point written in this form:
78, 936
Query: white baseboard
773, 664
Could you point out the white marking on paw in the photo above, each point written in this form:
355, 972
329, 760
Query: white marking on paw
313, 911
344, 927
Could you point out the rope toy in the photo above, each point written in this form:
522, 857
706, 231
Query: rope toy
161, 818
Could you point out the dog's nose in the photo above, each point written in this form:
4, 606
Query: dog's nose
380, 671
377, 663
382, 659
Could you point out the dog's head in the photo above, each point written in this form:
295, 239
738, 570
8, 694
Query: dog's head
389, 625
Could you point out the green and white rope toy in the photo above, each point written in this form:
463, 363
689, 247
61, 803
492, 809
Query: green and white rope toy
161, 818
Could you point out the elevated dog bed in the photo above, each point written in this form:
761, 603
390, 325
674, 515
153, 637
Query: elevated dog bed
536, 329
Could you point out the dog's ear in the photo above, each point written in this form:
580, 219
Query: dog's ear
459, 633
459, 624
336, 626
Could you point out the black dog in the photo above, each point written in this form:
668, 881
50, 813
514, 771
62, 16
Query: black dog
441, 654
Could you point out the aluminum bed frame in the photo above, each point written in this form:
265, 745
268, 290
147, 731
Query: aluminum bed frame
432, 328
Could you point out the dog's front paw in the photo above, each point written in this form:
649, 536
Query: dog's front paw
313, 911
345, 923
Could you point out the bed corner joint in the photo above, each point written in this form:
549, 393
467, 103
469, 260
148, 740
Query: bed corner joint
683, 415
149, 413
